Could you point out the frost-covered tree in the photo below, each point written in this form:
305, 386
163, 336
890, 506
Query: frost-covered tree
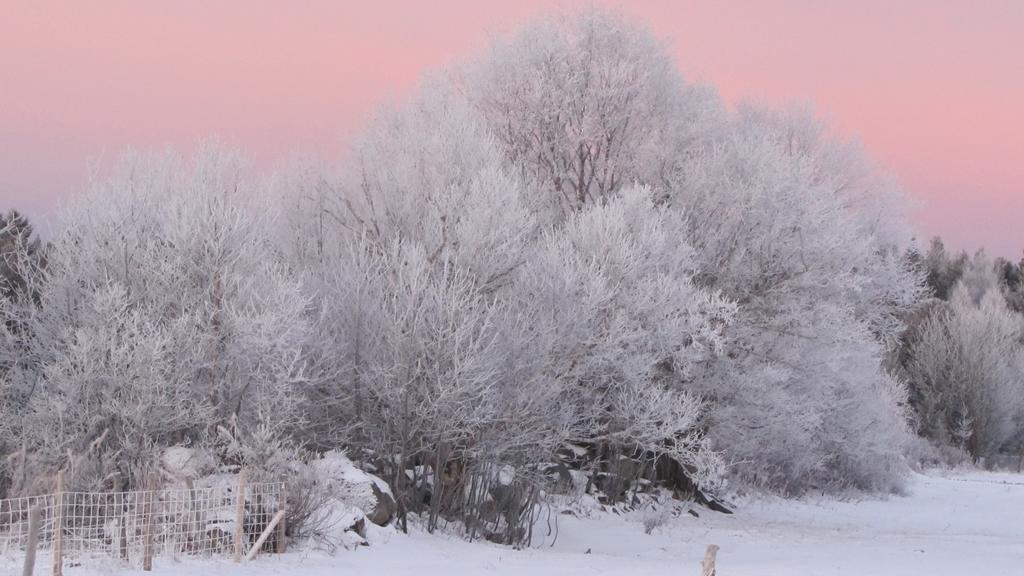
415, 351
20, 257
430, 172
20, 248
943, 269
455, 333
107, 398
800, 233
160, 279
586, 104
621, 327
794, 227
1011, 282
965, 366
20, 260
426, 176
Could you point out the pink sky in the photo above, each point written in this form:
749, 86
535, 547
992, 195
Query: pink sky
933, 89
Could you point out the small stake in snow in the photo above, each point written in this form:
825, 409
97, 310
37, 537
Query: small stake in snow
708, 566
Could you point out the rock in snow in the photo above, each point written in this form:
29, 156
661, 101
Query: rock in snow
364, 491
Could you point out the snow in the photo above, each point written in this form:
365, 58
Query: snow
336, 467
181, 462
949, 524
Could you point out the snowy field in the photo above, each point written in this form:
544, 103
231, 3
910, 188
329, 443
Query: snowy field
955, 524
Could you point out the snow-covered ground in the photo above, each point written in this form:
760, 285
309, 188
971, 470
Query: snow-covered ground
962, 523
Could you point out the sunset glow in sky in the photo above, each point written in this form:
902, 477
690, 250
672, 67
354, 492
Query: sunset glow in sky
933, 89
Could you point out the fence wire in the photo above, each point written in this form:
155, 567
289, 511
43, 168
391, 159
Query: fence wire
118, 525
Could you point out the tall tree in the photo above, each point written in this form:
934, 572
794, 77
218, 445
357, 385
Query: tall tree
798, 230
586, 105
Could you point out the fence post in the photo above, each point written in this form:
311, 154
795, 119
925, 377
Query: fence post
274, 522
194, 529
120, 509
33, 541
707, 568
122, 534
282, 506
240, 516
147, 518
58, 526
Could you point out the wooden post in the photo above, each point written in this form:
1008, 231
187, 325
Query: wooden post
708, 566
282, 526
194, 530
240, 516
148, 502
122, 534
33, 541
274, 522
58, 526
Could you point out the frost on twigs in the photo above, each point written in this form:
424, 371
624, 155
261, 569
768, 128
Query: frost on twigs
560, 244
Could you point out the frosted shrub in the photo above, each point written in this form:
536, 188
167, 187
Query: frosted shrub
797, 230
161, 312
623, 327
656, 516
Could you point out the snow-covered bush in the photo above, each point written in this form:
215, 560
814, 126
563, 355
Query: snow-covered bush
796, 230
620, 327
656, 516
429, 385
161, 313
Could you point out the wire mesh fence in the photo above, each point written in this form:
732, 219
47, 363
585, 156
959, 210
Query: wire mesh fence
135, 527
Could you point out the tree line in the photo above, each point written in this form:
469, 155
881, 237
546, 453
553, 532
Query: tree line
962, 355
556, 263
